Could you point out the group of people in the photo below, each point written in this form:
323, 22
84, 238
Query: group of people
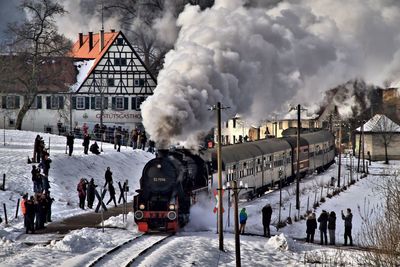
86, 190
327, 223
36, 211
138, 139
266, 219
94, 148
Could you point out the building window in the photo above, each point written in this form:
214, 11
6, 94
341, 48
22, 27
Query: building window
119, 102
110, 82
120, 62
139, 101
120, 41
11, 102
80, 102
138, 82
97, 102
280, 125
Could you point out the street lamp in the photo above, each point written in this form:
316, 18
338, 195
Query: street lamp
236, 189
218, 108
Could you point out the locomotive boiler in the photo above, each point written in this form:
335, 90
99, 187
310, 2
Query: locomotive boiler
168, 186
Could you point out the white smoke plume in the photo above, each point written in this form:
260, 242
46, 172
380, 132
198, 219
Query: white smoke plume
257, 60
84, 16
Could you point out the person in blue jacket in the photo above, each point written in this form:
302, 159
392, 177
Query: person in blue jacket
242, 219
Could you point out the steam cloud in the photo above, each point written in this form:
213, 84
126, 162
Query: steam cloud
257, 59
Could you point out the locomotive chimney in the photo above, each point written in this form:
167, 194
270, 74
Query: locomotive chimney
80, 39
90, 41
101, 40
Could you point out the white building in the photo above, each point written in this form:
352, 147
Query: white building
106, 67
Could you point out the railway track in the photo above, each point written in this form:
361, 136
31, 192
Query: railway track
130, 251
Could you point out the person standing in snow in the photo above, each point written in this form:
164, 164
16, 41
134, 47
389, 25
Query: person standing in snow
49, 202
311, 224
134, 137
143, 140
30, 215
111, 189
323, 226
86, 142
81, 188
85, 129
266, 219
347, 226
108, 176
332, 227
243, 220
45, 164
70, 143
23, 207
91, 193
36, 147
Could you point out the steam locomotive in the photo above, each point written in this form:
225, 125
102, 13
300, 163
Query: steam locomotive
170, 182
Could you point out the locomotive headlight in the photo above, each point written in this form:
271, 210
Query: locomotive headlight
141, 206
171, 215
171, 207
139, 215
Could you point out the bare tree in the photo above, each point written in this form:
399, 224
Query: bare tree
138, 18
381, 227
37, 43
386, 129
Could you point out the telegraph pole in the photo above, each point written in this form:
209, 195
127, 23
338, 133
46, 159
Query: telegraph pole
340, 152
219, 189
237, 238
298, 159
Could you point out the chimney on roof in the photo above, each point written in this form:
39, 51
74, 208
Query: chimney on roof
80, 39
112, 30
101, 40
90, 41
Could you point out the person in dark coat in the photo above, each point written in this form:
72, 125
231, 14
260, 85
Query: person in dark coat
91, 193
111, 190
37, 182
143, 140
49, 202
45, 164
86, 143
332, 227
40, 208
108, 176
311, 224
94, 148
323, 226
70, 143
81, 188
347, 226
134, 138
30, 215
266, 218
36, 148
152, 144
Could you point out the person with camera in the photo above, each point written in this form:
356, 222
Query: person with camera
347, 226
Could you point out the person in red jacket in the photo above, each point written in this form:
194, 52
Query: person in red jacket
23, 207
81, 188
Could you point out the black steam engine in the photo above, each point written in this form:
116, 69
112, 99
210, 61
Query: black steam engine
167, 189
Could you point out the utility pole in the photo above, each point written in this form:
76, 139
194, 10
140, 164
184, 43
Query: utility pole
298, 159
237, 238
340, 152
363, 154
219, 161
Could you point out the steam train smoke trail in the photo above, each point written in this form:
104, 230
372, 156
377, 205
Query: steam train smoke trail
259, 58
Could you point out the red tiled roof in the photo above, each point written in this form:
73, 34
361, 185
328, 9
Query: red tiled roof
83, 52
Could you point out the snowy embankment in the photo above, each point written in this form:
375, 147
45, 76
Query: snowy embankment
64, 174
197, 244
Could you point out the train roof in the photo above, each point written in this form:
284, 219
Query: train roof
243, 151
318, 137
292, 140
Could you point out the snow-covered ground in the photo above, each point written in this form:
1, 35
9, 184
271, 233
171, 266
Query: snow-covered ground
197, 244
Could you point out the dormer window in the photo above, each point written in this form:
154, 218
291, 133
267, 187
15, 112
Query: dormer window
120, 41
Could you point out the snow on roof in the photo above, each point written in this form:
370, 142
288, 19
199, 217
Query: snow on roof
380, 123
83, 68
395, 84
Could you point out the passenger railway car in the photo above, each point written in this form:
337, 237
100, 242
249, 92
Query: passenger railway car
263, 163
